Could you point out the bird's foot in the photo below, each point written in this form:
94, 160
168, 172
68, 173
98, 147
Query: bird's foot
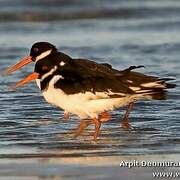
82, 127
66, 115
85, 123
126, 124
104, 116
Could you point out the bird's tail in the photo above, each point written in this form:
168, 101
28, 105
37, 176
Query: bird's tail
147, 86
155, 89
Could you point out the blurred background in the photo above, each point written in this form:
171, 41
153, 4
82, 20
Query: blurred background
119, 32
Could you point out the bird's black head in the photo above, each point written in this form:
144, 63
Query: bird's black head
53, 64
48, 68
48, 62
40, 50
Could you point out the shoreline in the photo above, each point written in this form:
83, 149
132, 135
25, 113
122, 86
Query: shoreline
83, 167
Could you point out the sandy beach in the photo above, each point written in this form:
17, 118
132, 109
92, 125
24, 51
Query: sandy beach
83, 167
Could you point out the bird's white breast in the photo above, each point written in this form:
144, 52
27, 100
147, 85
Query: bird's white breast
38, 82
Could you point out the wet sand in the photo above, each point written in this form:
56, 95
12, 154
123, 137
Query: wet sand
83, 167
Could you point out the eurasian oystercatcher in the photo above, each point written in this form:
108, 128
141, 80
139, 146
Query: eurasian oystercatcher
86, 88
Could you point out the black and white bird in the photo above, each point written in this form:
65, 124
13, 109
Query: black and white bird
86, 88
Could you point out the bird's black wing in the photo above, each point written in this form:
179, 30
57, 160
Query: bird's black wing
86, 75
99, 68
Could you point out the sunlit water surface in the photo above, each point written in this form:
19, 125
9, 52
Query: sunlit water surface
29, 127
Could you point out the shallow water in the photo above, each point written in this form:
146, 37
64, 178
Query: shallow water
29, 127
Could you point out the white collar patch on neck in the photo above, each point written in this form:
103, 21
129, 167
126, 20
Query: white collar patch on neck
43, 55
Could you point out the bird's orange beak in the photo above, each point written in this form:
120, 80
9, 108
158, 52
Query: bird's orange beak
23, 62
27, 79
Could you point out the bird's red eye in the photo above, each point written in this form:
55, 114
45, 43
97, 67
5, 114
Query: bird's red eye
44, 68
36, 49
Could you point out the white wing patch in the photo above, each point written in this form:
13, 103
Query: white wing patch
135, 88
62, 63
110, 93
129, 81
153, 85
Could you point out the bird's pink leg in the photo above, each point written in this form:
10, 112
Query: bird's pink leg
97, 125
125, 121
66, 115
85, 123
103, 117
